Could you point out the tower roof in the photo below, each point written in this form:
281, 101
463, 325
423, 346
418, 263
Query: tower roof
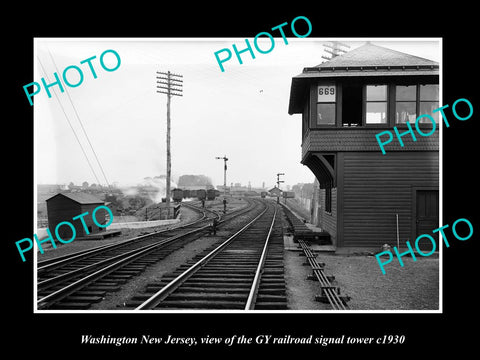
368, 60
370, 55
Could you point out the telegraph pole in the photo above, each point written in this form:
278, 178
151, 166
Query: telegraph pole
335, 49
278, 185
172, 86
225, 159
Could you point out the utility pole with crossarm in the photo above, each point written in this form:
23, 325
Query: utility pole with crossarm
334, 49
171, 85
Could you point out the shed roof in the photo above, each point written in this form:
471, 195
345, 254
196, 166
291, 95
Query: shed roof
80, 197
368, 60
275, 190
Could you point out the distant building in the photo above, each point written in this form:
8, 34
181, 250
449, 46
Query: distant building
275, 191
288, 194
66, 206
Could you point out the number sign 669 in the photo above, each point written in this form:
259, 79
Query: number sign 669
326, 91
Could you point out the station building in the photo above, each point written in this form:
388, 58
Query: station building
361, 192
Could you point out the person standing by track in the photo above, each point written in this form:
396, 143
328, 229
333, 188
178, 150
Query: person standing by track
214, 226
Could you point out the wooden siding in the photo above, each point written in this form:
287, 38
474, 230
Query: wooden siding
363, 139
327, 221
376, 187
61, 209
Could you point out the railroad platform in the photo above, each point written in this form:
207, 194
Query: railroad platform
143, 224
318, 239
100, 236
290, 245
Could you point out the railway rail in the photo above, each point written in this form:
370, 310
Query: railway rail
54, 263
244, 272
330, 293
76, 281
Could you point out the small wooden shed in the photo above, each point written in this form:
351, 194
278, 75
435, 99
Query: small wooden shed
66, 206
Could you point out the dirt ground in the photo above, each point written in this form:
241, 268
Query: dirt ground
300, 291
415, 286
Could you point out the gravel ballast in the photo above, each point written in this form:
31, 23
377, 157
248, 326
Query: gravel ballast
415, 286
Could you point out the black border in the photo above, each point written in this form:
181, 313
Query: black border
58, 335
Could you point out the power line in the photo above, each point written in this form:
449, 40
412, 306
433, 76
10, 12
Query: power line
69, 123
81, 124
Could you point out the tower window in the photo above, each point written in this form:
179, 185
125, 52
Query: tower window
326, 104
376, 104
352, 103
406, 103
414, 100
325, 114
429, 101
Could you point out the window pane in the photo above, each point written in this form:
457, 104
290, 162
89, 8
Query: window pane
406, 93
376, 113
427, 107
325, 114
376, 92
429, 92
406, 111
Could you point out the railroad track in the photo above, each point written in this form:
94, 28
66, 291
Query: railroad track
245, 272
329, 293
45, 266
78, 280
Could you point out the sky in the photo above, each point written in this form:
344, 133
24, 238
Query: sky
241, 113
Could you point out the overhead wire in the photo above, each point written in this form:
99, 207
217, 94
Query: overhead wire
81, 125
69, 123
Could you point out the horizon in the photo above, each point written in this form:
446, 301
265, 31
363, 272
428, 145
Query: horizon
240, 113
